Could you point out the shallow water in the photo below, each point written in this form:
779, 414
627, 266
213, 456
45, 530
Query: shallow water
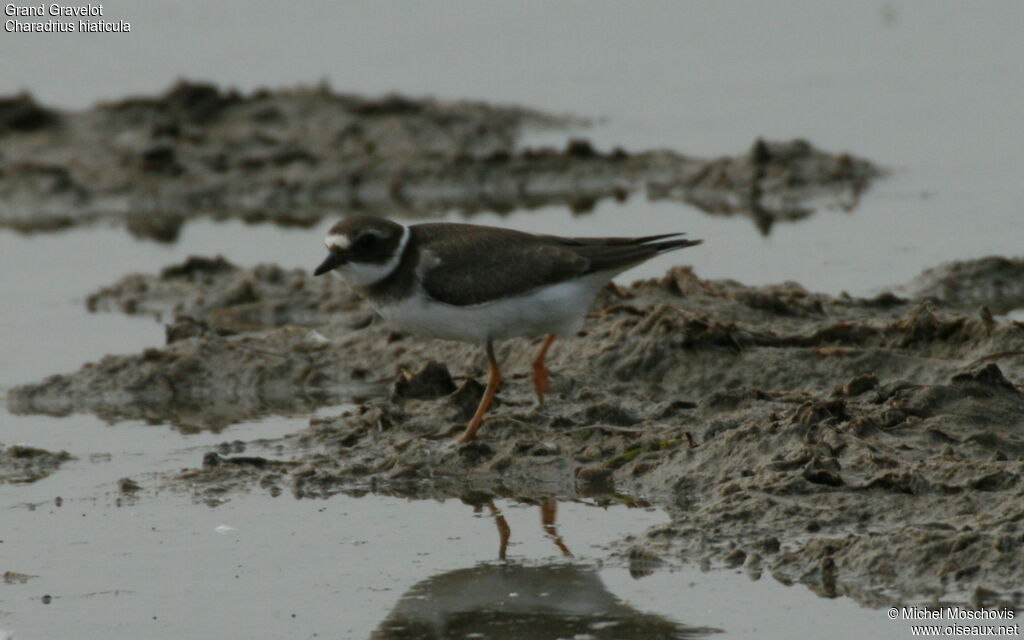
254, 567
258, 566
930, 91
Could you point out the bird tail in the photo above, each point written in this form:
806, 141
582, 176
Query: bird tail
615, 255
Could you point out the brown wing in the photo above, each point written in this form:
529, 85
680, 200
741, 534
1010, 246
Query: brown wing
473, 264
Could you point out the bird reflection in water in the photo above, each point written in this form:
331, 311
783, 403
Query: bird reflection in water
510, 600
548, 515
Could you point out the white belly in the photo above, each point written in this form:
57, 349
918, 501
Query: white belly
558, 309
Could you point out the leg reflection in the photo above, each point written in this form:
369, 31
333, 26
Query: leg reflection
504, 531
548, 514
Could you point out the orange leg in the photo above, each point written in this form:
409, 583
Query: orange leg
548, 513
540, 372
493, 380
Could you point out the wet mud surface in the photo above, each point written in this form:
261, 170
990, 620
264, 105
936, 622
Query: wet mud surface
869, 448
150, 164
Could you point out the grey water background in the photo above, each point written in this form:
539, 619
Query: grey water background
929, 90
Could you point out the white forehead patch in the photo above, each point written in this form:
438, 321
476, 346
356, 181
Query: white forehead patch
337, 240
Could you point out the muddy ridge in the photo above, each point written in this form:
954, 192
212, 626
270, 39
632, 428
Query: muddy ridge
150, 164
870, 448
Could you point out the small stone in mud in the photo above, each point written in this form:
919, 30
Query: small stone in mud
159, 157
185, 327
466, 398
580, 148
433, 381
235, 446
606, 413
128, 486
860, 384
476, 451
545, 449
990, 375
735, 558
213, 459
162, 227
242, 293
642, 562
768, 545
594, 478
360, 322
824, 472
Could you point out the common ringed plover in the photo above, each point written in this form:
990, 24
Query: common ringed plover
480, 284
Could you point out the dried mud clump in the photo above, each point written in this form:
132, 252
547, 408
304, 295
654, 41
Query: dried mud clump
230, 299
22, 464
870, 448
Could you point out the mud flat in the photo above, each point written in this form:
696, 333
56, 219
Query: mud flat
150, 164
869, 448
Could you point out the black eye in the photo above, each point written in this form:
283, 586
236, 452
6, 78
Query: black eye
366, 241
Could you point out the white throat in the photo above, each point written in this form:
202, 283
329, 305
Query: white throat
360, 274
